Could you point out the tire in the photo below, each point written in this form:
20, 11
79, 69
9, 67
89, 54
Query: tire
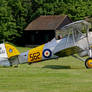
88, 63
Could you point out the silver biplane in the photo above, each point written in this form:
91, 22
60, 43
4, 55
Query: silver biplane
76, 39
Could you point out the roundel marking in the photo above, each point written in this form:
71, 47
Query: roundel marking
47, 53
10, 50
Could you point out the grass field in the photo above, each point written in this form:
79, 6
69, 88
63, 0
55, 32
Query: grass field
62, 75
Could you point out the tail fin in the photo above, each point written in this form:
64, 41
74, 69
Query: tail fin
8, 55
12, 54
11, 50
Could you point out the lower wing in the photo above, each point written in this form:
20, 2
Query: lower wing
68, 51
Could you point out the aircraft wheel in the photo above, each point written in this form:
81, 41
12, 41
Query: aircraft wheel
88, 63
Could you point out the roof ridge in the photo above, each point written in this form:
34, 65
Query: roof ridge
51, 15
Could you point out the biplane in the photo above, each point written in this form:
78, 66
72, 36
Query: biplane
76, 39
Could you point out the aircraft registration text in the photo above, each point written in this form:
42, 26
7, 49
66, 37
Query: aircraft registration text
35, 54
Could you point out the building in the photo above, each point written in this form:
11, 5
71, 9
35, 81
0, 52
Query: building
43, 29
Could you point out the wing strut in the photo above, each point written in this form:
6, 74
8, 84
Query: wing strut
89, 48
81, 59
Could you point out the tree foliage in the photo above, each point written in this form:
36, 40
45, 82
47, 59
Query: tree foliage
16, 14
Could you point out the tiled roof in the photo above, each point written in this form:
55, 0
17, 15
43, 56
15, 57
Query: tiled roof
46, 22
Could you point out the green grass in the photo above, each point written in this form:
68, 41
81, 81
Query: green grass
62, 75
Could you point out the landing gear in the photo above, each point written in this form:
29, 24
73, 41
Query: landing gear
88, 63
